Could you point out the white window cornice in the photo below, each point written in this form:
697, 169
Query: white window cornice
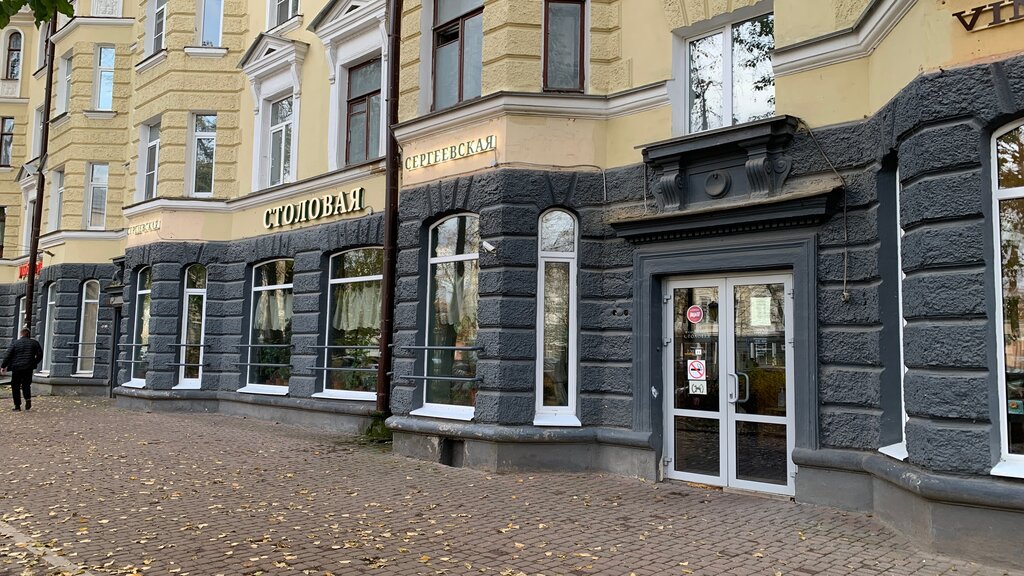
336, 23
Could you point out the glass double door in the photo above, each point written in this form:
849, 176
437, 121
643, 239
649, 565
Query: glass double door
729, 371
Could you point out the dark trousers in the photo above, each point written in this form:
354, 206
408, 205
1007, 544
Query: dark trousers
21, 383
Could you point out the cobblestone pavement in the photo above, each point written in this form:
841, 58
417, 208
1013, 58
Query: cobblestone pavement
91, 489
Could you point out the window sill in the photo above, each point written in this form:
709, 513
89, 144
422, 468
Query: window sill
206, 51
82, 375
6, 168
563, 420
264, 389
187, 386
897, 451
151, 61
60, 119
134, 384
340, 395
99, 114
1009, 469
293, 23
464, 413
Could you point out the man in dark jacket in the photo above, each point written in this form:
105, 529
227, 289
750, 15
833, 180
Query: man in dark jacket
22, 358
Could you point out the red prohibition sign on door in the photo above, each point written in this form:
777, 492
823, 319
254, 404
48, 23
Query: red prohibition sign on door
696, 370
695, 314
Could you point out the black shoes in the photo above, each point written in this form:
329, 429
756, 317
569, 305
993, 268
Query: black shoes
28, 404
16, 409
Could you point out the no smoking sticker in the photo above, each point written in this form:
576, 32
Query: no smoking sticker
695, 314
696, 370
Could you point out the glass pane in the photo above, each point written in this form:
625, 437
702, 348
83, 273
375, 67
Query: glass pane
146, 279
563, 45
373, 128
760, 343
707, 108
697, 446
271, 325
98, 209
557, 232
141, 353
354, 322
106, 57
8, 126
204, 165
358, 263
1011, 223
15, 41
753, 82
696, 327
357, 133
451, 9
105, 98
276, 273
761, 452
99, 174
211, 22
454, 293
276, 153
458, 235
446, 75
154, 132
556, 334
281, 111
90, 317
1010, 152
92, 290
195, 277
193, 334
364, 79
286, 161
6, 142
282, 11
150, 185
206, 123
472, 56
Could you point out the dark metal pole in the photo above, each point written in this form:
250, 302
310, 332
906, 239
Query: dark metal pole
392, 164
37, 214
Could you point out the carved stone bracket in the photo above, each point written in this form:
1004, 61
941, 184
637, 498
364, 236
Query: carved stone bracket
670, 190
766, 170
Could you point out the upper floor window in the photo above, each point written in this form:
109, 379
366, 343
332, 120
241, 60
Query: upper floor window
44, 37
37, 131
281, 141
282, 11
159, 26
56, 199
556, 321
88, 324
270, 342
458, 51
96, 198
204, 144
730, 75
6, 140
211, 21
64, 87
12, 71
563, 45
353, 323
363, 112
151, 160
1008, 197
104, 78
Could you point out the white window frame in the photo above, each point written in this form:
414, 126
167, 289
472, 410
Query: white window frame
272, 20
149, 146
287, 128
430, 409
133, 352
83, 333
557, 415
21, 318
64, 84
157, 42
91, 185
193, 165
1010, 465
183, 382
679, 89
37, 132
201, 25
253, 289
48, 329
899, 449
98, 82
56, 199
331, 283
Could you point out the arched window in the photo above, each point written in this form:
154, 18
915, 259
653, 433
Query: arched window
1008, 199
270, 339
556, 320
49, 332
140, 345
12, 71
193, 327
89, 320
452, 326
353, 324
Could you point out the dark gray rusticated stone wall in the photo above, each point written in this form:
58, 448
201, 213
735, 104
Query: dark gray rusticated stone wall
509, 203
939, 127
69, 279
228, 300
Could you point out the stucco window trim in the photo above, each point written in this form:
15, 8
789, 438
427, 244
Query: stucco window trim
80, 21
351, 39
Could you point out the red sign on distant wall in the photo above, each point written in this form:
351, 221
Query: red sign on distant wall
23, 269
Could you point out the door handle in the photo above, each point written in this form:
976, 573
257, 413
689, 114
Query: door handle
746, 387
734, 387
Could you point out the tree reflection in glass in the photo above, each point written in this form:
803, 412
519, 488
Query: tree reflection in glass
753, 83
354, 319
707, 106
1010, 153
